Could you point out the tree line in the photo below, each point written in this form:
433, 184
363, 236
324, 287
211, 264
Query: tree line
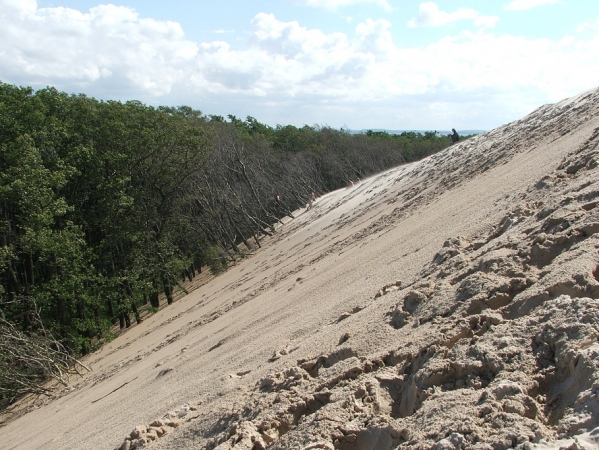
106, 205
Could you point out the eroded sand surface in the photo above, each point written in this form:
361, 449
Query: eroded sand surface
447, 304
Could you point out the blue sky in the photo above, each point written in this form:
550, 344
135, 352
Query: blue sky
353, 64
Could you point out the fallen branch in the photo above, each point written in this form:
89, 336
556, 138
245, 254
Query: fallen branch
29, 360
114, 390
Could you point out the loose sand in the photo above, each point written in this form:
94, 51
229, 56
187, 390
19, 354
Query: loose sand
448, 304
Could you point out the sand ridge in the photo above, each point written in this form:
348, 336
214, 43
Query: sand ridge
450, 303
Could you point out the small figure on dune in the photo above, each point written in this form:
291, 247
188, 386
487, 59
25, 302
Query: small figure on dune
350, 183
277, 201
455, 137
311, 201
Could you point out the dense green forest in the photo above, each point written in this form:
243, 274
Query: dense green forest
105, 205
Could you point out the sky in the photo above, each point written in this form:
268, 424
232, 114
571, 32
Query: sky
346, 64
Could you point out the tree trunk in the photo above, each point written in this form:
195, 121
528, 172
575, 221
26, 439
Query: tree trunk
111, 309
154, 300
168, 291
135, 312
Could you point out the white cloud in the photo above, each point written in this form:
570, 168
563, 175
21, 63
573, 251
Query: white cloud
431, 16
22, 6
518, 5
486, 21
588, 25
339, 74
288, 73
62, 45
335, 4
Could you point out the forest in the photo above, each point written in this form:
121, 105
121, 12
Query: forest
106, 206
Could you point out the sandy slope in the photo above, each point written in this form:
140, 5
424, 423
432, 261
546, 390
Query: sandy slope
450, 303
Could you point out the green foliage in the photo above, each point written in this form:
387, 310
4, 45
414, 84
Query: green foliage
84, 187
215, 259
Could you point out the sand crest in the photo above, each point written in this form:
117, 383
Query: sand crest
452, 303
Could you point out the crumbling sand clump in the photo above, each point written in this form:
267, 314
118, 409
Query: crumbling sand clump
507, 352
452, 303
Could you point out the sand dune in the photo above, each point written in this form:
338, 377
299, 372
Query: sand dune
447, 304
